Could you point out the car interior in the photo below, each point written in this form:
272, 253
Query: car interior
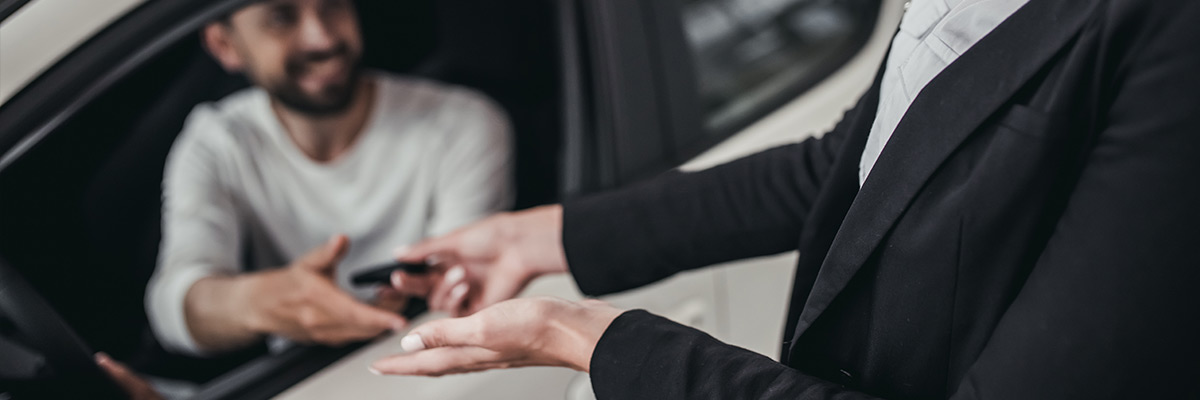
600, 94
81, 209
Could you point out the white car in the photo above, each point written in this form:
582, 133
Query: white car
602, 93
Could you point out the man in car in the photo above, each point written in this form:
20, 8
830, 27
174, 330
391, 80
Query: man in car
276, 195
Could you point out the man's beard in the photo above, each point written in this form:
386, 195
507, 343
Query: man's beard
333, 99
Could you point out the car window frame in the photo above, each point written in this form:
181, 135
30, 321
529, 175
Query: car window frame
63, 89
10, 7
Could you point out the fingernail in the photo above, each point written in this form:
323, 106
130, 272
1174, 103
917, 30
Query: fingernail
401, 251
458, 291
102, 358
455, 275
412, 343
374, 371
397, 280
399, 326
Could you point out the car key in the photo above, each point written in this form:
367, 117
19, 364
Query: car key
382, 274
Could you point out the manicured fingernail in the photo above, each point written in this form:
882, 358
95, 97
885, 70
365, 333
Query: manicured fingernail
103, 358
412, 343
401, 251
454, 275
397, 280
458, 291
374, 371
433, 260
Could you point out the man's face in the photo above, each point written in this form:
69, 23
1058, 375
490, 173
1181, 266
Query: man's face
305, 53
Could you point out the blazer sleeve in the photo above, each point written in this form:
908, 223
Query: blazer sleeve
1108, 310
754, 206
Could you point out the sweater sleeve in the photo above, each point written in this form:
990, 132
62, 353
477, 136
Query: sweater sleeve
201, 233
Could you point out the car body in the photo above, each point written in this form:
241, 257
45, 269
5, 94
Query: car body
603, 94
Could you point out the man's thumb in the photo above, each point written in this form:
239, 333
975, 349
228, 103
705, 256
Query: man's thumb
325, 257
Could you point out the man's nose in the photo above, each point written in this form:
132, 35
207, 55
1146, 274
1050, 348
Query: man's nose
315, 34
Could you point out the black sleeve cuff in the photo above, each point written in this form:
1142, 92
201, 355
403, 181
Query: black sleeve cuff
637, 357
644, 356
621, 355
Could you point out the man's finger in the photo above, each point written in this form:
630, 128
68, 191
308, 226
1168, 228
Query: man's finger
438, 362
353, 321
131, 383
391, 300
115, 370
372, 321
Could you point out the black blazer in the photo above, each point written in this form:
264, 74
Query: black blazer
1031, 230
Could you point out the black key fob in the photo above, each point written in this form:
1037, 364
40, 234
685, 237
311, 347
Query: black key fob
382, 274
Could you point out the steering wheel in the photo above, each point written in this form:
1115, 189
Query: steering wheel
69, 370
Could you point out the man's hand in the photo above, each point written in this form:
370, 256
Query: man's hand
303, 303
133, 386
488, 262
515, 333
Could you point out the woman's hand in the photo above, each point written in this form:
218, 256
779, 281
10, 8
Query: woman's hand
487, 262
515, 333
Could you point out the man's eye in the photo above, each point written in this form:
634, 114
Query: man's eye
281, 18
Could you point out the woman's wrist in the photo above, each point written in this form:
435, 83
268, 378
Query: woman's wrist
579, 332
538, 232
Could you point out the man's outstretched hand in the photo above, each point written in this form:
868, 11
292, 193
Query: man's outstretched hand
303, 303
487, 262
133, 385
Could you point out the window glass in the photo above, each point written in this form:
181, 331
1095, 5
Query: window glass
752, 55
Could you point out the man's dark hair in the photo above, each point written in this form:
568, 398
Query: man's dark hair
226, 18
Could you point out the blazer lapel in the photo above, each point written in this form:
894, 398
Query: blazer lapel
947, 111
